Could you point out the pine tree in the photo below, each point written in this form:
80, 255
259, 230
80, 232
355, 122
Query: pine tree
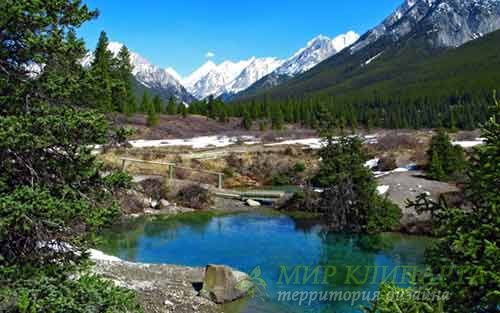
100, 71
183, 110
157, 104
223, 118
350, 201
446, 161
53, 194
277, 118
171, 106
123, 95
145, 102
152, 117
247, 120
435, 170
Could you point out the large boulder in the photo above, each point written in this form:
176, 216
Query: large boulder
222, 284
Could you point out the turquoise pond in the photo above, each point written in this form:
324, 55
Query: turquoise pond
272, 246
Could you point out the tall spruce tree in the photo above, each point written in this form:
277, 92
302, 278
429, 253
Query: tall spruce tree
157, 104
171, 106
123, 95
350, 201
183, 110
101, 74
446, 161
277, 118
246, 120
145, 102
52, 194
152, 117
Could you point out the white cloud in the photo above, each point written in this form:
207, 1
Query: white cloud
209, 54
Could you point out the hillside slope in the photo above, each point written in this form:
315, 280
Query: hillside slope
406, 70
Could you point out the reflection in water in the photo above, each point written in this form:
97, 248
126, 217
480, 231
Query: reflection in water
278, 245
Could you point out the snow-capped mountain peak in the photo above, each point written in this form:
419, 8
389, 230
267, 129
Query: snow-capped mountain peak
256, 69
173, 73
228, 76
199, 73
318, 49
446, 23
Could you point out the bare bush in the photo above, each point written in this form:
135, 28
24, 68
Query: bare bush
420, 157
387, 163
396, 141
269, 137
130, 202
181, 173
292, 151
234, 161
195, 197
155, 188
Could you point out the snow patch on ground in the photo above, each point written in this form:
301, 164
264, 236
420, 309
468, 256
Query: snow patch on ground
397, 170
195, 143
313, 143
97, 255
372, 163
469, 143
316, 143
382, 189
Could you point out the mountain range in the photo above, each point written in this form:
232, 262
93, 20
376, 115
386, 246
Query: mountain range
420, 49
227, 78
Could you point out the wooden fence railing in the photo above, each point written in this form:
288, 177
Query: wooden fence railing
170, 168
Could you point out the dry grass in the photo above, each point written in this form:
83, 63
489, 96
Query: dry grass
394, 141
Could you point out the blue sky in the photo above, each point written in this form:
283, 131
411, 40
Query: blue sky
179, 34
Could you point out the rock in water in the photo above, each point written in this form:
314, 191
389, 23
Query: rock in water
164, 204
223, 284
253, 203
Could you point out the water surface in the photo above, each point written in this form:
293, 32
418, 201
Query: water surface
272, 247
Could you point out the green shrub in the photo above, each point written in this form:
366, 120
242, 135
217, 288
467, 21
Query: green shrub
228, 172
446, 161
281, 179
46, 292
118, 179
384, 217
299, 167
394, 299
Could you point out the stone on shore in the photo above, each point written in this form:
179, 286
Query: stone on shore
223, 284
253, 203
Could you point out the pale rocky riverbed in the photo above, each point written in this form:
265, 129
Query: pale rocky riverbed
160, 288
163, 288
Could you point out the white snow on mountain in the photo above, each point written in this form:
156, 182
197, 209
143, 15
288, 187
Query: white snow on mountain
230, 77
212, 79
390, 21
316, 51
174, 73
258, 68
199, 73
